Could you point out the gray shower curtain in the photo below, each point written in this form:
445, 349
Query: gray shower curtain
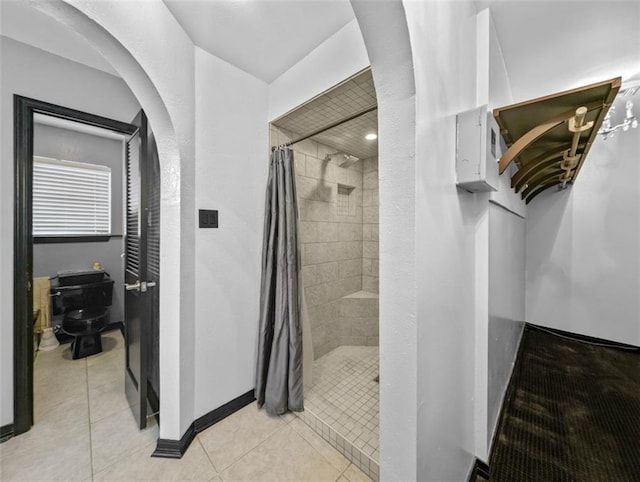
279, 380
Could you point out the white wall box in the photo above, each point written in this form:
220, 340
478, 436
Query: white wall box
478, 149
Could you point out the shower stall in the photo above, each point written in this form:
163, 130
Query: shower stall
337, 196
336, 173
339, 242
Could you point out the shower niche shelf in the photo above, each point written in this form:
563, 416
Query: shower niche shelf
345, 205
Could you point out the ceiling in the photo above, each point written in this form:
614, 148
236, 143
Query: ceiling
581, 42
25, 24
262, 37
552, 46
353, 96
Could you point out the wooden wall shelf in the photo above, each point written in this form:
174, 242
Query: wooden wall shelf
549, 138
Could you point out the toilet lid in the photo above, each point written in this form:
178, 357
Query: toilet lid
85, 314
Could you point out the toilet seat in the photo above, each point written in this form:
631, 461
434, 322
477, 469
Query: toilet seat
85, 325
84, 321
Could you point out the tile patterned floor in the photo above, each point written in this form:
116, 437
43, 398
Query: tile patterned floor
85, 431
343, 404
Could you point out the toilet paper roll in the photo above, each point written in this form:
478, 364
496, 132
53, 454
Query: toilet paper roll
48, 341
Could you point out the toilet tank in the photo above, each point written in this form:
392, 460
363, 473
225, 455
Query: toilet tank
80, 290
73, 278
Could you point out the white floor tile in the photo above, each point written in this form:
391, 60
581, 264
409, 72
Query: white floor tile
230, 439
194, 465
116, 436
354, 474
285, 456
344, 394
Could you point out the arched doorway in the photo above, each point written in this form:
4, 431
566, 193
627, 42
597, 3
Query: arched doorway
168, 146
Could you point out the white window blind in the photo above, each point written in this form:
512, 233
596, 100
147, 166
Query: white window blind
70, 198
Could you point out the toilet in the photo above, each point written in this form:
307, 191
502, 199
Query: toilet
80, 302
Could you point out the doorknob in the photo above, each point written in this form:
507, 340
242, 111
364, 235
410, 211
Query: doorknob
146, 284
133, 287
140, 286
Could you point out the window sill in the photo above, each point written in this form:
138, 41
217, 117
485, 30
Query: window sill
74, 239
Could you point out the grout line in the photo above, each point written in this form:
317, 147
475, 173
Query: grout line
82, 365
330, 414
324, 441
127, 455
89, 418
207, 454
252, 449
315, 449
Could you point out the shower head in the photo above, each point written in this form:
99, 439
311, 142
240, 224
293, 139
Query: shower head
348, 161
342, 160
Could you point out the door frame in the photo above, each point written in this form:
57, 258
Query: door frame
24, 109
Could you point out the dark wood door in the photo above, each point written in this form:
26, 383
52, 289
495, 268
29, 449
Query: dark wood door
141, 267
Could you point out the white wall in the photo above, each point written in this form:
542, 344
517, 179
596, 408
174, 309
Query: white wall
498, 94
500, 297
583, 246
506, 305
447, 220
386, 35
34, 73
333, 61
232, 158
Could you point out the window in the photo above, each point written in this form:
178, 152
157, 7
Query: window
70, 198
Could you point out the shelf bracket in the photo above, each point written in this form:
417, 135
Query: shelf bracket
538, 131
548, 138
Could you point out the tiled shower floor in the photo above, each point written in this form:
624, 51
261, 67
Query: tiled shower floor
344, 402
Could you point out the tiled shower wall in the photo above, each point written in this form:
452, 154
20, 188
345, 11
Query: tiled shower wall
370, 225
331, 239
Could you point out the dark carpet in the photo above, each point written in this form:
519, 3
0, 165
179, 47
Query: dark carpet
571, 413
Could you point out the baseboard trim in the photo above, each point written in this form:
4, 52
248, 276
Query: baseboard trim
479, 469
504, 398
115, 325
175, 449
229, 408
6, 432
509, 391
585, 338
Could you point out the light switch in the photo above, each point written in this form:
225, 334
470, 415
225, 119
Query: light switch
208, 218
